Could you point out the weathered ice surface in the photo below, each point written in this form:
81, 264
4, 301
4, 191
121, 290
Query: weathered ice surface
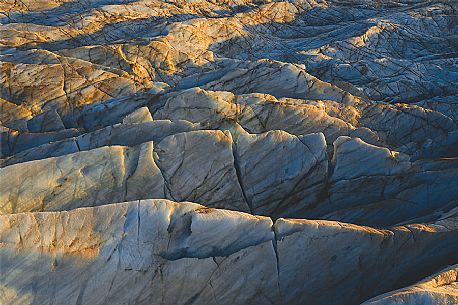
199, 166
393, 189
314, 253
187, 253
440, 288
228, 152
147, 252
281, 185
120, 134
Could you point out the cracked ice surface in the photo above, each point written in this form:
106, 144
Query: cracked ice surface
228, 152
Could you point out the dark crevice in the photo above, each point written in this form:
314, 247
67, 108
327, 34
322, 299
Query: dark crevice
239, 176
